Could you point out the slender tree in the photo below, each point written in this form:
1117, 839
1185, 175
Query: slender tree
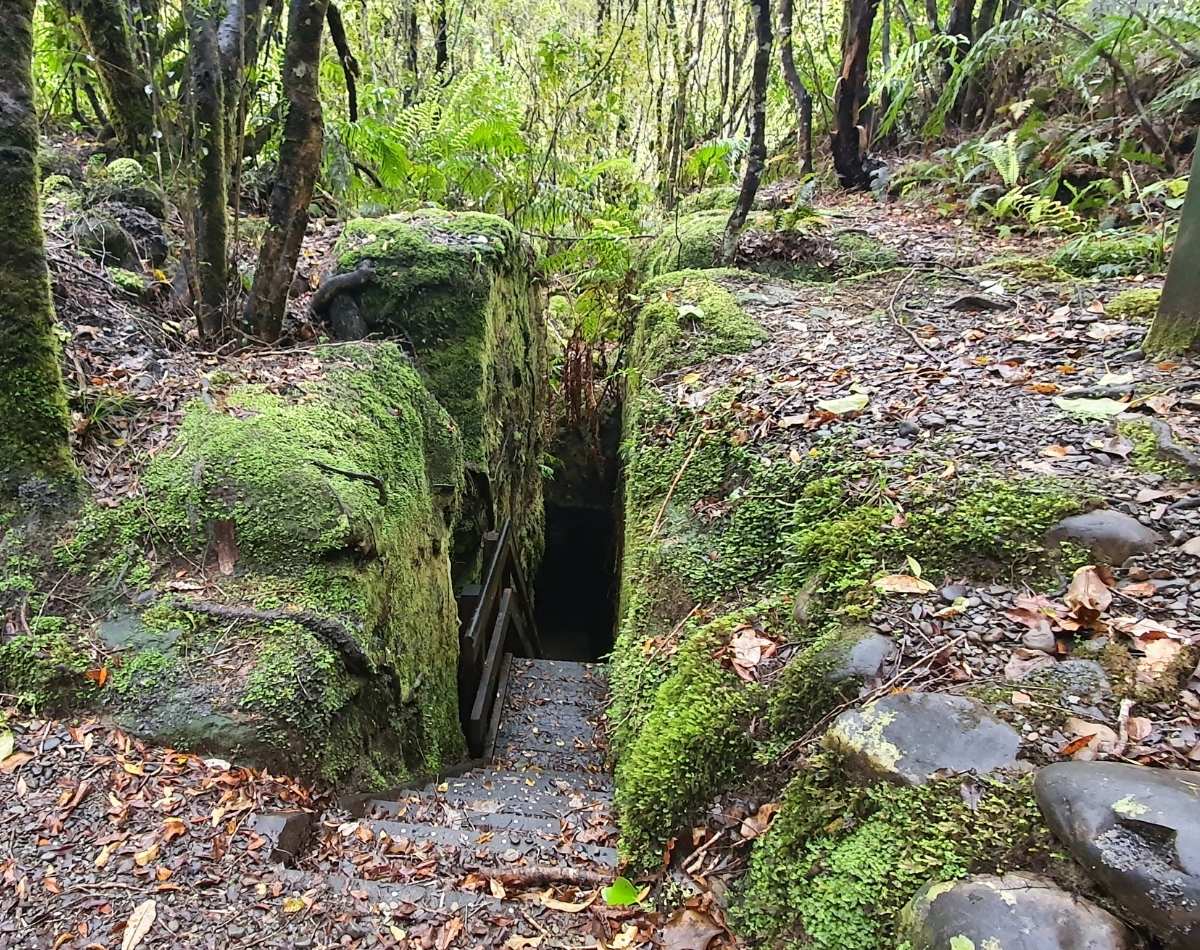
441, 38
33, 404
1176, 328
848, 139
801, 99
211, 252
296, 175
756, 156
124, 82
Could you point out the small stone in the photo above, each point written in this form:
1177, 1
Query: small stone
1039, 638
951, 592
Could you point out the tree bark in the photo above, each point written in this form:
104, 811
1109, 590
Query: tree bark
123, 81
33, 403
441, 37
850, 93
1176, 327
211, 290
412, 52
801, 99
350, 67
296, 176
756, 158
237, 45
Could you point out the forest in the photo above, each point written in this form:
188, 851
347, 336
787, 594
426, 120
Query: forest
606, 473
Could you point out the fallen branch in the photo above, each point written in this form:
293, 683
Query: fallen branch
538, 875
899, 323
674, 482
333, 633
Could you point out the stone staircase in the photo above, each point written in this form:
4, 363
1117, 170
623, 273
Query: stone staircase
511, 848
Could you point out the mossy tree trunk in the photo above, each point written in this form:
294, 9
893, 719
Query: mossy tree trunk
850, 94
801, 98
237, 45
123, 80
756, 157
296, 176
33, 406
208, 142
1176, 328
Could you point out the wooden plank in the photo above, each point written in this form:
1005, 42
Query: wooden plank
485, 694
530, 641
522, 622
492, 581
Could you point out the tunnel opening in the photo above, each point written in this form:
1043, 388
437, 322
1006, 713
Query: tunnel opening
575, 591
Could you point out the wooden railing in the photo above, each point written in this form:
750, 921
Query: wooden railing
497, 619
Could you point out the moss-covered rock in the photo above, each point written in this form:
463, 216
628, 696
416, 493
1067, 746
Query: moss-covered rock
715, 198
330, 646
126, 182
1138, 305
787, 243
841, 860
458, 290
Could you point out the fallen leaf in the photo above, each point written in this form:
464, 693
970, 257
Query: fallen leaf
496, 889
293, 905
1025, 661
621, 893
567, 907
139, 924
14, 762
855, 402
754, 825
749, 649
689, 929
517, 942
1139, 728
1158, 657
1091, 408
142, 858
173, 828
1088, 596
625, 939
6, 744
1092, 738
903, 584
1140, 589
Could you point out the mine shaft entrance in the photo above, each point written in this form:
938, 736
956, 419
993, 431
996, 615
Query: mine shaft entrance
576, 585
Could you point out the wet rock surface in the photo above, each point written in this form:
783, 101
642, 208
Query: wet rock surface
1136, 831
1009, 912
911, 737
1111, 537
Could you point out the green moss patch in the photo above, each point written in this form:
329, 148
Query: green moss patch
1139, 305
840, 861
1111, 254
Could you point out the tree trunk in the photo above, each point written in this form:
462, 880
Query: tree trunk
441, 38
350, 67
412, 52
296, 176
123, 82
801, 99
847, 139
1176, 328
756, 159
33, 403
237, 46
211, 290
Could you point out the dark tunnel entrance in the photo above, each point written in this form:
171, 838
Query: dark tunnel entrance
576, 585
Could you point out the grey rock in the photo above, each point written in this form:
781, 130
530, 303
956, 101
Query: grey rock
1085, 680
860, 654
1012, 912
1040, 638
1136, 831
286, 832
911, 738
1111, 537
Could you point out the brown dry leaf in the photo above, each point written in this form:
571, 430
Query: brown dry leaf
903, 584
139, 924
1142, 589
142, 858
749, 649
15, 761
1092, 738
760, 821
1088, 596
173, 828
1056, 451
626, 938
690, 929
497, 889
517, 942
547, 899
1025, 661
1147, 629
1139, 728
449, 933
1159, 655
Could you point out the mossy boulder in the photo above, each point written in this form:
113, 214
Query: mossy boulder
458, 289
318, 630
788, 243
126, 182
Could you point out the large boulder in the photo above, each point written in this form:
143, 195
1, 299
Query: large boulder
911, 738
1009, 912
458, 290
1136, 830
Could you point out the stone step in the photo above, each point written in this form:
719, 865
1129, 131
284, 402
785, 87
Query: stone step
522, 753
502, 784
539, 682
559, 720
489, 847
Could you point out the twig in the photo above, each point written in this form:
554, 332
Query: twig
532, 876
356, 476
896, 319
674, 482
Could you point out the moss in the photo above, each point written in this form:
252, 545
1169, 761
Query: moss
456, 288
840, 861
1138, 305
717, 198
690, 241
1146, 456
1028, 268
42, 668
145, 670
808, 686
127, 280
688, 317
694, 740
125, 172
1111, 254
126, 182
1163, 687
